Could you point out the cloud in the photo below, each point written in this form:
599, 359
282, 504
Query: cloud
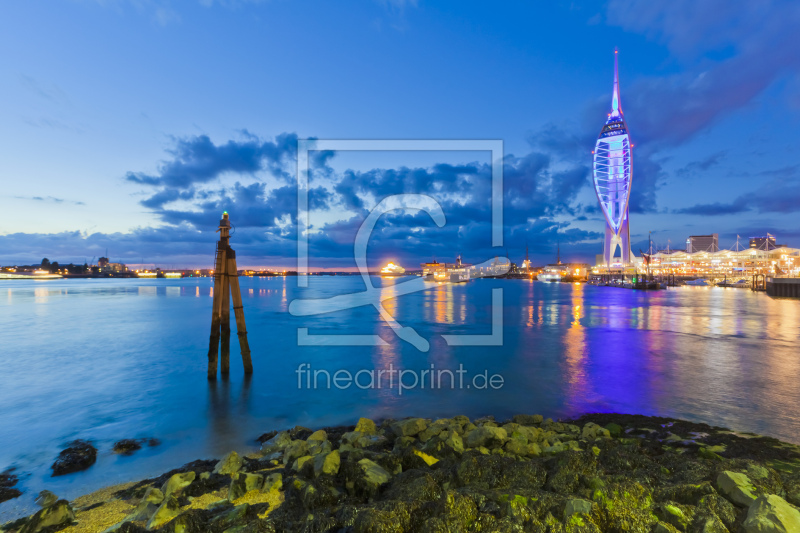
730, 53
780, 194
703, 165
49, 199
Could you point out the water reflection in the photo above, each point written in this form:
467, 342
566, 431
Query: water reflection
575, 351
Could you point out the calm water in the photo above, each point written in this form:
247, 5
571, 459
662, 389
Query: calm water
112, 359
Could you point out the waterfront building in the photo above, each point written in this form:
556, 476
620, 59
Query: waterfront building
612, 175
765, 243
782, 261
703, 243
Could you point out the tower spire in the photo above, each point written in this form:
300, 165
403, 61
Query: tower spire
616, 106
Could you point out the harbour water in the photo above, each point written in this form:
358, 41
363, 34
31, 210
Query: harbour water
111, 359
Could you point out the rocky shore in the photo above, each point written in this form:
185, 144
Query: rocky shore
597, 473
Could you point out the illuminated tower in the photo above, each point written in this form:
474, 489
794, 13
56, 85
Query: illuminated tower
612, 178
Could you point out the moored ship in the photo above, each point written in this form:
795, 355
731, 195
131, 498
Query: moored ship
392, 271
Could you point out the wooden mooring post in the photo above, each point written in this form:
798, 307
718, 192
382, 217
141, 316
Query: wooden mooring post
226, 288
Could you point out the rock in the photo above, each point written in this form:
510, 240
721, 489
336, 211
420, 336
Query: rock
429, 460
177, 482
662, 527
438, 427
461, 420
243, 483
528, 420
273, 481
577, 506
771, 514
486, 436
54, 516
168, 510
714, 504
316, 447
230, 464
7, 492
737, 487
675, 514
127, 446
318, 435
373, 476
356, 439
454, 441
152, 498
295, 449
708, 524
409, 427
277, 443
300, 464
366, 426
327, 463
79, 455
516, 447
402, 443
594, 431
45, 499
230, 518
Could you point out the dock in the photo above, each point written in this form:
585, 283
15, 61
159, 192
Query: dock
783, 287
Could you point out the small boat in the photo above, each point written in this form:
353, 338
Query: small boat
742, 283
697, 282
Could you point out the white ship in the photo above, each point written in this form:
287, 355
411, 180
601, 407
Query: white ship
36, 274
549, 276
457, 272
392, 271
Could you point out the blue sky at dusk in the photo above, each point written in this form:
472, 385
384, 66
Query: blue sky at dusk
130, 125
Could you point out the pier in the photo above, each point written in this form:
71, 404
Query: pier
783, 287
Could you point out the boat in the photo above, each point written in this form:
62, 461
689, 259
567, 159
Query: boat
742, 283
392, 271
697, 282
36, 274
549, 276
457, 272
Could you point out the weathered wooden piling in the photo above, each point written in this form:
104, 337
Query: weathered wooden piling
226, 288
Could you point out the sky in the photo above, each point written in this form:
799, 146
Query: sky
130, 125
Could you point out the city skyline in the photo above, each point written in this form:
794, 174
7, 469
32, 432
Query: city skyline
139, 149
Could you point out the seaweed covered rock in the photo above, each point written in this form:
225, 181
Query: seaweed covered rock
7, 490
243, 483
51, 517
230, 464
737, 487
79, 455
177, 482
771, 513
